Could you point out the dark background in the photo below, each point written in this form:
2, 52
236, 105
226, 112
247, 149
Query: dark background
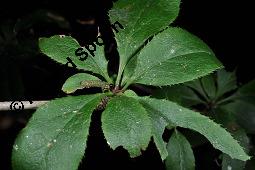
225, 25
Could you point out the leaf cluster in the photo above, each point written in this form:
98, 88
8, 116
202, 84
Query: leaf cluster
151, 53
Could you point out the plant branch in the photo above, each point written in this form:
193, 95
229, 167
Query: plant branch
121, 69
20, 105
129, 82
108, 79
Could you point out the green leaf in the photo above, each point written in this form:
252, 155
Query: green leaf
56, 135
173, 56
196, 85
180, 153
226, 81
158, 126
179, 94
209, 86
195, 139
227, 162
140, 19
244, 113
129, 69
59, 48
248, 88
126, 123
130, 93
247, 92
74, 82
186, 118
225, 118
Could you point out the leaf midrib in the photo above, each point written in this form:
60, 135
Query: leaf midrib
180, 153
66, 124
76, 43
132, 33
144, 71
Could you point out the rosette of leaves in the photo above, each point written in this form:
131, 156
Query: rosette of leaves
219, 97
56, 135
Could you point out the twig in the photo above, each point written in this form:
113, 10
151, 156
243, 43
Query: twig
20, 105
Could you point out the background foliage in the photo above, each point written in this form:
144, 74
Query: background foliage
34, 72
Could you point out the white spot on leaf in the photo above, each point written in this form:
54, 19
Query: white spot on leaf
16, 147
49, 145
